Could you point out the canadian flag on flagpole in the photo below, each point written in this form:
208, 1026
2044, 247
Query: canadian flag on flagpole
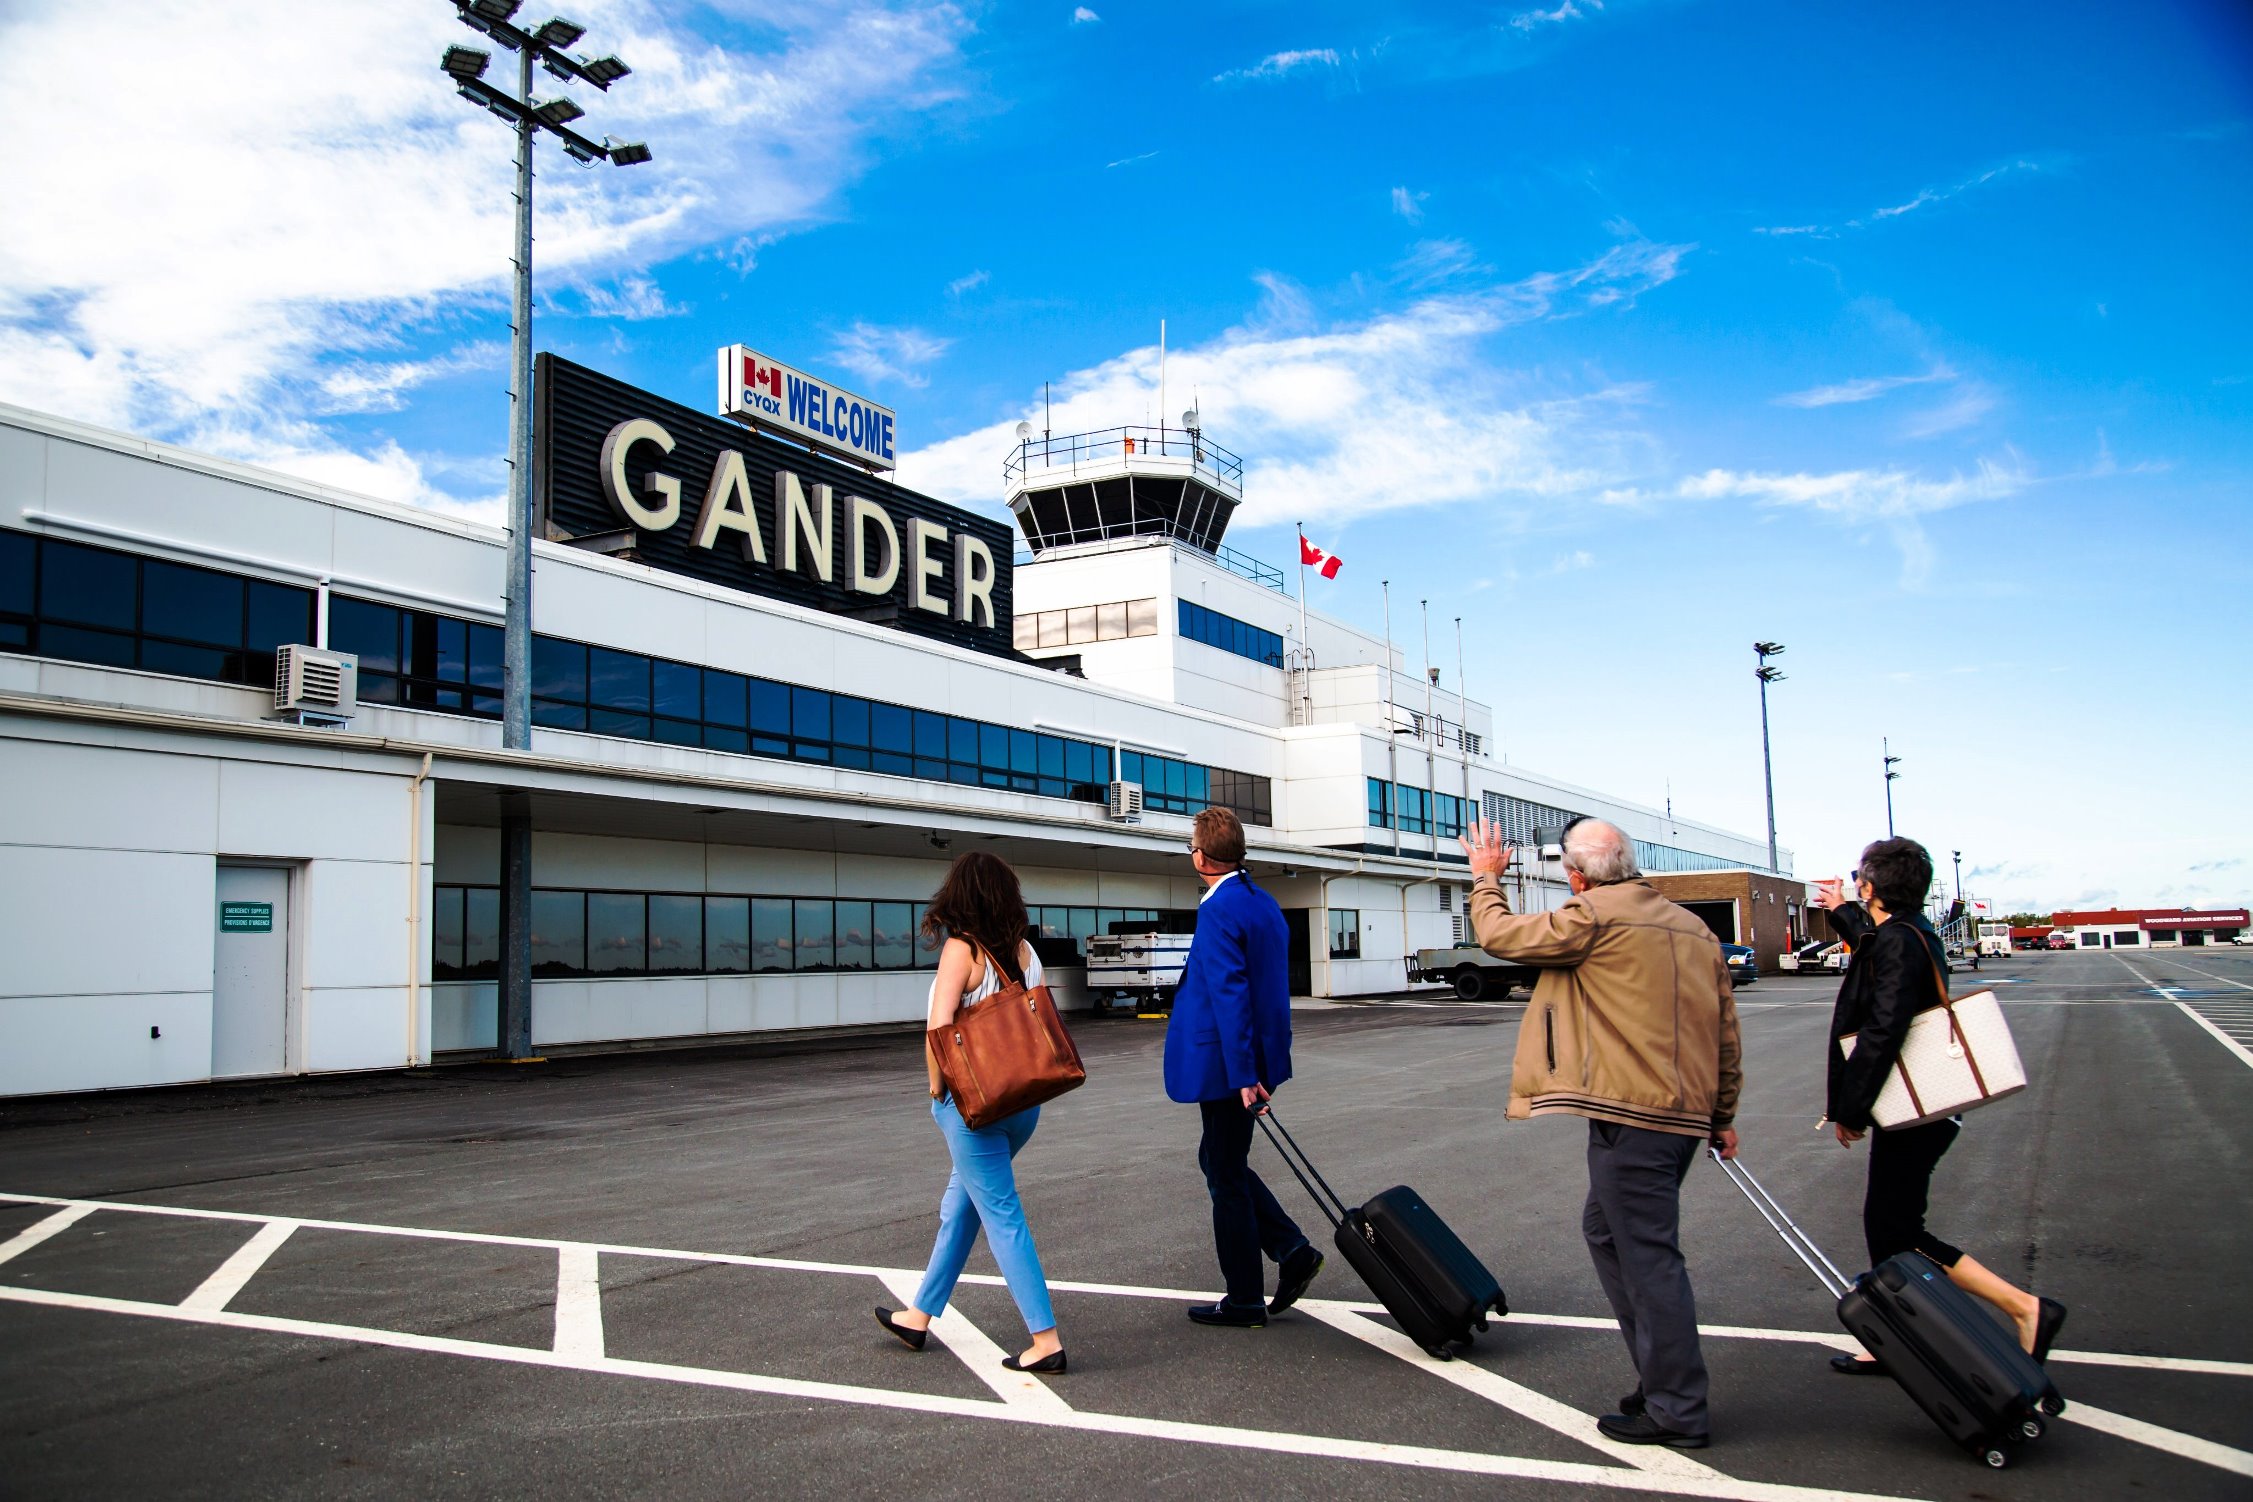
1326, 564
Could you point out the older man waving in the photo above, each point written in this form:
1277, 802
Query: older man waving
1633, 1027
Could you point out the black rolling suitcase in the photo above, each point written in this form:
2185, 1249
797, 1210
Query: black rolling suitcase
1965, 1370
1417, 1267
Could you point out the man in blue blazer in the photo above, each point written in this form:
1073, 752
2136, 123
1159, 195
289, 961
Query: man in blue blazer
1228, 1044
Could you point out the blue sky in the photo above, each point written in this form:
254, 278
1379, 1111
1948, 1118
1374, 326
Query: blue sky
1914, 337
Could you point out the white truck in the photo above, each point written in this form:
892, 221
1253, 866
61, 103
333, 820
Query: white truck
1140, 970
1994, 941
1475, 974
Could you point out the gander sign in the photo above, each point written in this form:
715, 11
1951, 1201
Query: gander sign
706, 497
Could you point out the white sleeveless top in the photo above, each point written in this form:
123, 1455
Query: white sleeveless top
993, 981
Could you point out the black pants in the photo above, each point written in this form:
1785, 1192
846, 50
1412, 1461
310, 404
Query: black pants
1633, 1225
1901, 1165
1246, 1219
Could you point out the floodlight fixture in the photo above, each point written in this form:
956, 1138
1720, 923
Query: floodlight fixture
580, 153
1768, 675
493, 10
557, 111
1769, 648
627, 153
465, 62
604, 71
559, 33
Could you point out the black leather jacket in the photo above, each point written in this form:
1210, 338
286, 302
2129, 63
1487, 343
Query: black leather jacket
1892, 977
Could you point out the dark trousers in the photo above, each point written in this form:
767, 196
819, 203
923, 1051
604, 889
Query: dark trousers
1901, 1165
1633, 1225
1246, 1219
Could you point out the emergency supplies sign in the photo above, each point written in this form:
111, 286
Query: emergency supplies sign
756, 389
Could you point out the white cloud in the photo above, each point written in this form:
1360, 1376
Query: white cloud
1864, 389
1278, 64
1568, 10
1128, 161
1082, 16
970, 283
630, 299
367, 386
1573, 562
1960, 411
1409, 206
888, 356
1923, 199
184, 249
1404, 410
1430, 262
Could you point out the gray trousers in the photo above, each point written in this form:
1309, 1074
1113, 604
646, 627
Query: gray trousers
1633, 1223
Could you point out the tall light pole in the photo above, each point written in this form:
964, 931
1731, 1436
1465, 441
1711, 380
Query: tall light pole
528, 116
1959, 855
1885, 748
1767, 675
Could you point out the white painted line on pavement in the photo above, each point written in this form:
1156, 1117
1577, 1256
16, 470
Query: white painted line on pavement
1280, 1443
41, 1230
578, 1302
2244, 1055
978, 1352
1516, 1397
2189, 1446
218, 1290
2210, 975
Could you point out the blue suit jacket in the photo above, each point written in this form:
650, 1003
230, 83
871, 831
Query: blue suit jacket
1231, 1022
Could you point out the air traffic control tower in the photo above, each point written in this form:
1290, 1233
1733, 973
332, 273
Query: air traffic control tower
1122, 482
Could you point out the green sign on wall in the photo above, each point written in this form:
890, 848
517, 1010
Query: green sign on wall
246, 917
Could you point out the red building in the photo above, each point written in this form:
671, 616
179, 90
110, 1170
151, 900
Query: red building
2151, 927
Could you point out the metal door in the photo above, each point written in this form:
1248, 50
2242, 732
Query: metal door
250, 971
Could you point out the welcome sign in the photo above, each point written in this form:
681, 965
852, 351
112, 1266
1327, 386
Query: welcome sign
706, 497
759, 390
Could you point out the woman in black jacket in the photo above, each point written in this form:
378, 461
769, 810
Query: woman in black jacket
1895, 974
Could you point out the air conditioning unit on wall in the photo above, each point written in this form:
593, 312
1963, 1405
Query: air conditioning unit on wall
314, 687
1125, 802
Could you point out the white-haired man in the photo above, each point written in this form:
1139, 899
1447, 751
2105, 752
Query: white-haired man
1632, 1026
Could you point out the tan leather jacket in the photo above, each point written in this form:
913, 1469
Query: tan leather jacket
1632, 1021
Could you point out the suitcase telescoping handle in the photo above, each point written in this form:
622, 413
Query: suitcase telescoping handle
1803, 1245
1293, 1156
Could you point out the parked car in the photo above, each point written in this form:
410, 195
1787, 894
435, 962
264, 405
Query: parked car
2243, 939
1744, 966
2060, 941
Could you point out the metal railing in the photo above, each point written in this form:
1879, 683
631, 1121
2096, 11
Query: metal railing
1068, 451
1241, 564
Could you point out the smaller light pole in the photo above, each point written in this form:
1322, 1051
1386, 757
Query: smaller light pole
1768, 675
1959, 855
1891, 761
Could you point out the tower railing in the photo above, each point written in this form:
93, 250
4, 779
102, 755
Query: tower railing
1070, 452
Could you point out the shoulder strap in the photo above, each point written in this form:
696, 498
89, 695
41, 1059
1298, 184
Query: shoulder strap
1939, 971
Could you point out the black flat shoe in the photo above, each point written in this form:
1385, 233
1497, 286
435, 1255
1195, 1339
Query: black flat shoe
1642, 1429
2046, 1325
1293, 1278
1854, 1366
1234, 1316
912, 1339
1631, 1406
1051, 1365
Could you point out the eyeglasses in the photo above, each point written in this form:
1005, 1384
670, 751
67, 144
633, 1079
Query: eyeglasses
1196, 849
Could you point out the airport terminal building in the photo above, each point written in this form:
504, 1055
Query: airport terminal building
773, 694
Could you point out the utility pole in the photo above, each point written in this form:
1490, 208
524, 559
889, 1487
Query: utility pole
1463, 732
1885, 749
1768, 675
527, 117
1431, 733
1392, 730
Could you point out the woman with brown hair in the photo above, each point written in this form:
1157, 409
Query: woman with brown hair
980, 909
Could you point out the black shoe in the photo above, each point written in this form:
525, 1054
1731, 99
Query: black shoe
1236, 1316
1292, 1277
1051, 1365
1855, 1366
1642, 1429
912, 1339
2046, 1325
1631, 1406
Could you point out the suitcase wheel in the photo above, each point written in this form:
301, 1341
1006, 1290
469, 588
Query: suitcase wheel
2031, 1427
2052, 1404
1442, 1353
1480, 1326
1996, 1457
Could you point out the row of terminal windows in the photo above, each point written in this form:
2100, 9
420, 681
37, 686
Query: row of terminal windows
577, 934
87, 604
1085, 623
1345, 933
1414, 810
1522, 822
1230, 634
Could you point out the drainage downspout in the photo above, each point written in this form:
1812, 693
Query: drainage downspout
414, 911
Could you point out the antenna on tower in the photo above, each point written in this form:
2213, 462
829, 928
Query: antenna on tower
1045, 413
1161, 383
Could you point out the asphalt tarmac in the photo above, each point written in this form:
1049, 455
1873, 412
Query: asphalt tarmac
653, 1274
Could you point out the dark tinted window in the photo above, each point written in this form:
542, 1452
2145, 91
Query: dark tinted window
849, 720
559, 933
16, 573
856, 939
816, 936
679, 691
481, 933
894, 937
85, 586
368, 631
192, 603
809, 714
488, 653
559, 669
770, 707
617, 933
617, 680
724, 702
727, 935
446, 933
279, 616
771, 941
676, 935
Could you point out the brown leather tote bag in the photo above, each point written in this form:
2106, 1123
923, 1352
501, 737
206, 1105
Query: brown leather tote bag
1006, 1053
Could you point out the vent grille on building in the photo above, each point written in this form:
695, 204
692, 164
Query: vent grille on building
1125, 802
312, 682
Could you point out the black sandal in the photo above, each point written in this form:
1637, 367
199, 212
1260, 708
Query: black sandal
2046, 1325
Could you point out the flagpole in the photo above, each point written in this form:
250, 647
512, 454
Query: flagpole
1392, 735
1301, 526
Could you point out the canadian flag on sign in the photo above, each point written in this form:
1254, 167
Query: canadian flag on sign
1313, 557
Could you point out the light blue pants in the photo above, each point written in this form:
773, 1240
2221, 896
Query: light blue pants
982, 1191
